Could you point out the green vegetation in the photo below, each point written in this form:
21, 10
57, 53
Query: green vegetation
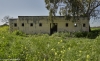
42, 47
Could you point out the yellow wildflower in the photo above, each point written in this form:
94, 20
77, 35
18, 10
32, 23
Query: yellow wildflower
80, 51
61, 60
55, 53
88, 56
52, 49
3, 37
44, 59
25, 47
9, 56
62, 51
58, 42
62, 46
69, 48
61, 41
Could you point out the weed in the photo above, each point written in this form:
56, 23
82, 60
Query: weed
57, 47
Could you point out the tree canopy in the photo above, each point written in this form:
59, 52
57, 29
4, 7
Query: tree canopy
5, 19
73, 8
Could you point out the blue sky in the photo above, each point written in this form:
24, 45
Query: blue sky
15, 8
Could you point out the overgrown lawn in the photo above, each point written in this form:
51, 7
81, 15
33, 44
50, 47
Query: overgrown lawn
43, 47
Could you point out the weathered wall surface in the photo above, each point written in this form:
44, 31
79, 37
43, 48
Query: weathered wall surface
36, 27
62, 25
41, 24
13, 25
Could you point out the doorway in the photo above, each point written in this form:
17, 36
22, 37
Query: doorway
53, 28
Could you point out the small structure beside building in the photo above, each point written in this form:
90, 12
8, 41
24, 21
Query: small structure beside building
41, 24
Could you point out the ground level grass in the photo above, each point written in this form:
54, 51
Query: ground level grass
42, 47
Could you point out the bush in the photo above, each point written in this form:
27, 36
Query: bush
20, 33
62, 34
80, 34
92, 35
49, 48
57, 34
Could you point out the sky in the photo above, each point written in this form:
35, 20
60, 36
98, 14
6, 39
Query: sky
15, 8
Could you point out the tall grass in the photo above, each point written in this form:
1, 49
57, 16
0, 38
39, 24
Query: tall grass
42, 47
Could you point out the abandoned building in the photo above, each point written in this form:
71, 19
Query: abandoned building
41, 24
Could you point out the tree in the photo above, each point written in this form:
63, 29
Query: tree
74, 7
90, 8
51, 5
85, 8
5, 19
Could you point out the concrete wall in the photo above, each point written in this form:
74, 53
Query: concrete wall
36, 21
45, 24
62, 25
13, 25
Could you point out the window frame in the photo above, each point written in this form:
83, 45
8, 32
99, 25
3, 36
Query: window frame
22, 24
84, 25
66, 24
15, 24
40, 24
31, 24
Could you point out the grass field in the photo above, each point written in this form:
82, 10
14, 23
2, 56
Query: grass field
17, 46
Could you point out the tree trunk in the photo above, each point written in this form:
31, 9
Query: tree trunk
89, 28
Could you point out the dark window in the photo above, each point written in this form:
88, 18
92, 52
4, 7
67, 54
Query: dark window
22, 24
31, 24
75, 25
66, 24
40, 24
84, 25
15, 24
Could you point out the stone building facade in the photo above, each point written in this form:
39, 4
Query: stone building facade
41, 24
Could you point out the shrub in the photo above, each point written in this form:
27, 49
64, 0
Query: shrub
20, 33
62, 34
80, 34
57, 34
92, 35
